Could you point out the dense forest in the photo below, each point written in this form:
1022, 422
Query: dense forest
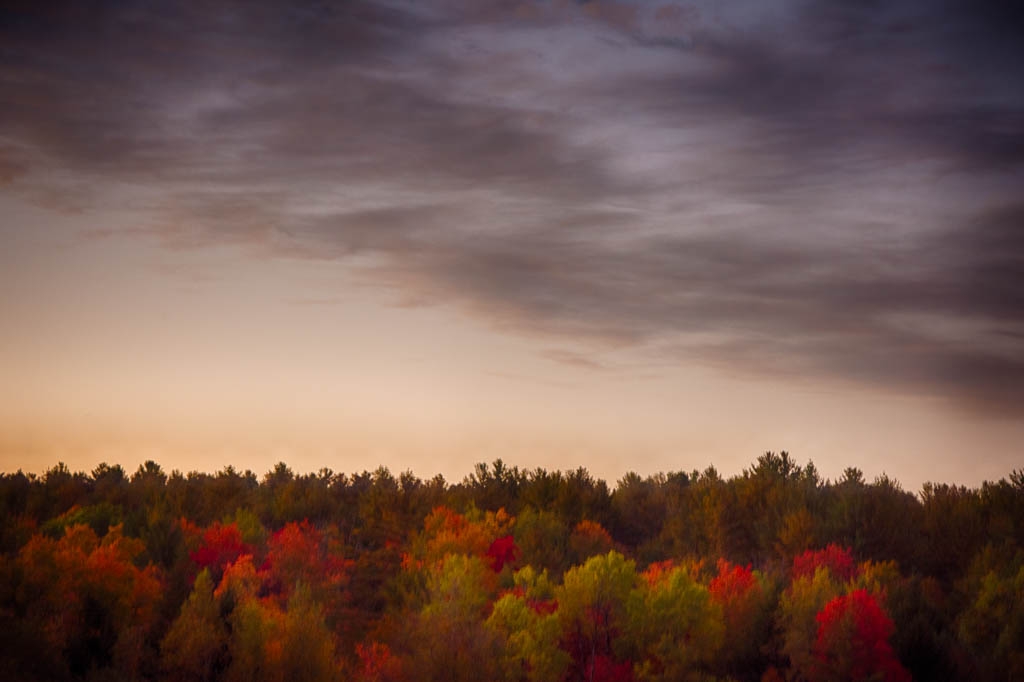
774, 574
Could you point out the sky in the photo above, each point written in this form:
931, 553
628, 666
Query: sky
633, 236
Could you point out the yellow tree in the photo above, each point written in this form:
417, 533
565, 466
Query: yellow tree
676, 627
593, 610
526, 620
448, 640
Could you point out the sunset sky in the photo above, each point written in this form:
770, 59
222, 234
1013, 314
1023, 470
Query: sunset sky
644, 235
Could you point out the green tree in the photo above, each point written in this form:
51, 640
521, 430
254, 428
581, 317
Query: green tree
543, 539
594, 609
675, 625
195, 647
992, 625
798, 609
448, 640
307, 647
526, 621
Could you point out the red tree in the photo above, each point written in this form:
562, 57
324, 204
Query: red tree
732, 582
221, 545
853, 641
737, 590
607, 670
502, 551
376, 662
838, 560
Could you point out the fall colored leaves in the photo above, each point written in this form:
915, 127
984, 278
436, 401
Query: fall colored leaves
772, 575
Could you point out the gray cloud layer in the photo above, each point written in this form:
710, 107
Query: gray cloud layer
806, 189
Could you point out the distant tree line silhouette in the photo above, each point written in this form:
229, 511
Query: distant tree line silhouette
510, 575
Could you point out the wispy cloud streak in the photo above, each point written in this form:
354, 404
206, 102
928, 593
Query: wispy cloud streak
811, 189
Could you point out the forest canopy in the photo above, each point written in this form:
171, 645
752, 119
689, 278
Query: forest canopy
510, 575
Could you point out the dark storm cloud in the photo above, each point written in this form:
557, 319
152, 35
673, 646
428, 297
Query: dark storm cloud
989, 260
806, 189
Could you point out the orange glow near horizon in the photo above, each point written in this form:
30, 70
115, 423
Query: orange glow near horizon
620, 235
199, 360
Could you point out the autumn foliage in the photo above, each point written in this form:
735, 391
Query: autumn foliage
837, 560
508, 576
853, 641
502, 552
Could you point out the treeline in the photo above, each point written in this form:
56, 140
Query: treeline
774, 574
